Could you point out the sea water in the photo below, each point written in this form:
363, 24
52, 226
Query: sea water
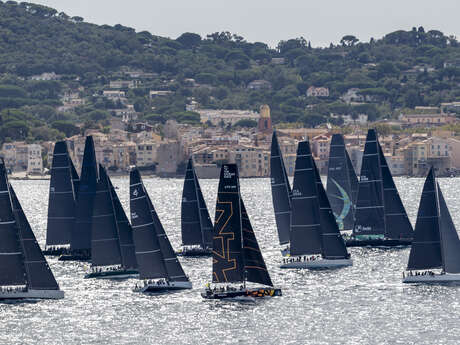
363, 304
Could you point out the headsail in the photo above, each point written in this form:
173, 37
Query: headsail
305, 219
425, 252
340, 183
205, 219
61, 205
370, 213
227, 256
12, 270
81, 234
105, 246
39, 275
281, 191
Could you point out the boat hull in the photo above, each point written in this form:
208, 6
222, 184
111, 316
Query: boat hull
55, 251
77, 256
194, 252
432, 279
318, 264
242, 295
351, 242
32, 294
122, 274
158, 288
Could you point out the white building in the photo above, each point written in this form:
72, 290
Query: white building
218, 116
317, 91
34, 161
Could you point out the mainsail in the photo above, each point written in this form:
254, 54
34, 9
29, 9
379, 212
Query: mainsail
341, 183
196, 224
281, 191
61, 205
305, 218
105, 245
81, 234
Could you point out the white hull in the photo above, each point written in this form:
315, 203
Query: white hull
320, 263
118, 276
33, 294
154, 287
436, 278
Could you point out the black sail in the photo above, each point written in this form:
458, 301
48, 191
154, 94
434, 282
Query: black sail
173, 267
332, 244
370, 213
450, 244
353, 181
105, 246
148, 253
281, 191
227, 256
205, 219
39, 274
425, 252
190, 211
12, 269
75, 178
255, 269
305, 219
61, 205
125, 232
81, 234
339, 183
397, 223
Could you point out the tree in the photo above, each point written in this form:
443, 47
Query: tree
66, 127
246, 123
348, 40
189, 39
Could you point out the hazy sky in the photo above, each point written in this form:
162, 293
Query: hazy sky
269, 21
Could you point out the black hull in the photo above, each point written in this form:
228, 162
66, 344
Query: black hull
75, 256
241, 294
195, 252
377, 243
56, 252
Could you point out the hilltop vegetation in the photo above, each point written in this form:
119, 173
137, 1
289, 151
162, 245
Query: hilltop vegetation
402, 69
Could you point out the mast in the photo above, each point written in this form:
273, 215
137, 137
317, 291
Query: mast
397, 223
281, 191
305, 218
353, 181
12, 269
370, 211
205, 219
227, 257
81, 234
425, 251
61, 204
339, 183
39, 274
105, 245
125, 232
332, 244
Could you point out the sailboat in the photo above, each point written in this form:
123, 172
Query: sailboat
24, 272
342, 183
62, 198
107, 259
196, 224
158, 264
315, 239
380, 217
236, 256
80, 237
281, 194
435, 252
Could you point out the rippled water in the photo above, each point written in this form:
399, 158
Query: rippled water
362, 304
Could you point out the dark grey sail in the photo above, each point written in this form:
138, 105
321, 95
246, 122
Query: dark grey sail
105, 246
370, 213
340, 183
425, 252
281, 191
450, 243
12, 269
397, 223
125, 232
190, 211
255, 269
227, 254
61, 205
81, 234
39, 274
332, 243
205, 219
305, 217
75, 178
353, 180
148, 253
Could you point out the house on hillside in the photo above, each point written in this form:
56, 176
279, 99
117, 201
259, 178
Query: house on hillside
317, 91
259, 85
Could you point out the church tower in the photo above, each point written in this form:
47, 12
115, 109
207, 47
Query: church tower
265, 122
